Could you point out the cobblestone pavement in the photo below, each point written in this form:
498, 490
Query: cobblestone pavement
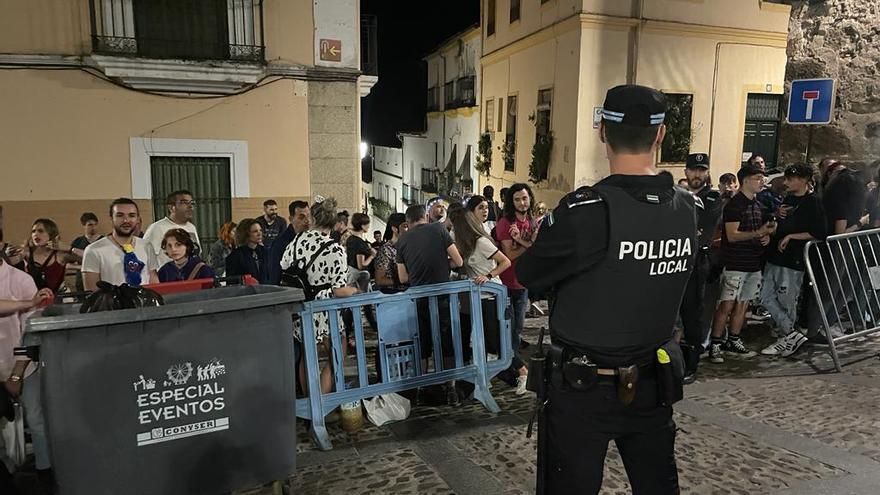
762, 425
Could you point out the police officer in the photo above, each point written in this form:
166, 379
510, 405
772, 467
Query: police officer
618, 256
709, 208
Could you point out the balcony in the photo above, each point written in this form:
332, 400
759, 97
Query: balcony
449, 95
466, 96
198, 46
433, 103
179, 29
369, 46
460, 93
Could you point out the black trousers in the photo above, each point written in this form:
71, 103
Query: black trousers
579, 426
693, 305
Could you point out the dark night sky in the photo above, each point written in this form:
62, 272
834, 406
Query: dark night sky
407, 31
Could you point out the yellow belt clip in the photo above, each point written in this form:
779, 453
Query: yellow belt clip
662, 356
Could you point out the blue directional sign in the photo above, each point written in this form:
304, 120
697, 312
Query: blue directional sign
811, 101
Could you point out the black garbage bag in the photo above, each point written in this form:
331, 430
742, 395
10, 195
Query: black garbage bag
110, 297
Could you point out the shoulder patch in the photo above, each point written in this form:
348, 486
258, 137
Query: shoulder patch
583, 196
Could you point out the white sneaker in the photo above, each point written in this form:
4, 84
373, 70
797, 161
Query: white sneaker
776, 348
521, 384
793, 342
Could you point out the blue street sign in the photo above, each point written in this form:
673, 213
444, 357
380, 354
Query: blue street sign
811, 101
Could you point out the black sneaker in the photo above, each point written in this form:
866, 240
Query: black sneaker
716, 353
737, 348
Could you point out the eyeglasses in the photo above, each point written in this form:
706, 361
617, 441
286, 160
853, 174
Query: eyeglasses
187, 203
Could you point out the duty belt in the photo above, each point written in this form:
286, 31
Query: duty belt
573, 369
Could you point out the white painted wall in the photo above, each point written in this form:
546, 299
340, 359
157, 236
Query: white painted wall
339, 20
388, 176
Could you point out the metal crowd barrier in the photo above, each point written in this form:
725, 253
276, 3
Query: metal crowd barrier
400, 366
845, 275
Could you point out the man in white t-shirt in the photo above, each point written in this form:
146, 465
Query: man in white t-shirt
120, 257
180, 205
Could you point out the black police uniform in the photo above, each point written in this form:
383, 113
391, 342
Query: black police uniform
618, 256
693, 312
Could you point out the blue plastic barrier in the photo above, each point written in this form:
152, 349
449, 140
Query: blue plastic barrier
400, 347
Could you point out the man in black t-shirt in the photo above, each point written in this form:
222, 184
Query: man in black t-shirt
425, 255
801, 219
843, 197
743, 240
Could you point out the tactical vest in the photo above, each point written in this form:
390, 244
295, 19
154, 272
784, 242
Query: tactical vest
631, 298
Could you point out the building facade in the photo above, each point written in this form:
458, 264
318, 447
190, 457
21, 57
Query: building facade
236, 100
448, 153
547, 64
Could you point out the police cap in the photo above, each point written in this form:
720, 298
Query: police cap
697, 160
634, 105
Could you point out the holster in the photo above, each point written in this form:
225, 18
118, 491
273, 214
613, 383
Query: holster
670, 374
627, 378
580, 376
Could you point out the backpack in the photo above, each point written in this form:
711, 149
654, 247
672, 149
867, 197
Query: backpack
298, 277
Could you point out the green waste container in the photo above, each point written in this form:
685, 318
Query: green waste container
197, 396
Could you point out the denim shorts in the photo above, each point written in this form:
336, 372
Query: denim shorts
740, 286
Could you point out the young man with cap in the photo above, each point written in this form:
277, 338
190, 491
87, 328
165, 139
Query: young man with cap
744, 238
618, 256
801, 219
709, 208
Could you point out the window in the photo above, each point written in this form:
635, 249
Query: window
762, 127
514, 10
187, 29
490, 115
490, 17
510, 136
543, 112
207, 178
500, 114
387, 195
677, 143
436, 155
394, 198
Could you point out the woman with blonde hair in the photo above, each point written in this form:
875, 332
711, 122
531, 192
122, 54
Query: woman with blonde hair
326, 266
45, 256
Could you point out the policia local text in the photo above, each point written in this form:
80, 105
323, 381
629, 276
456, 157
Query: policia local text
679, 250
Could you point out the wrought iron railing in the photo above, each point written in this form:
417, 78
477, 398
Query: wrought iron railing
449, 95
369, 45
180, 29
433, 103
466, 96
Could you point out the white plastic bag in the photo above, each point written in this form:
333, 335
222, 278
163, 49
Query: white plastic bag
387, 408
13, 438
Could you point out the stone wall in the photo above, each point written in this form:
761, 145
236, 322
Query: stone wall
838, 39
333, 143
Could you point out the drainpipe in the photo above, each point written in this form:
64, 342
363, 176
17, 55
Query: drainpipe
443, 160
638, 11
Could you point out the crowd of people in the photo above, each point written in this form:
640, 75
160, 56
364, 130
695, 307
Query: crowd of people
752, 234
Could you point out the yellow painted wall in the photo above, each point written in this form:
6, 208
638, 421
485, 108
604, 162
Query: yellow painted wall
62, 27
57, 27
677, 51
69, 139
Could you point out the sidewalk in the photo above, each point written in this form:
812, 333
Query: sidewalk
764, 425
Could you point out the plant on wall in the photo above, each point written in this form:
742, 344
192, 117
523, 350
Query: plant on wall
381, 209
541, 152
484, 154
508, 153
677, 143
